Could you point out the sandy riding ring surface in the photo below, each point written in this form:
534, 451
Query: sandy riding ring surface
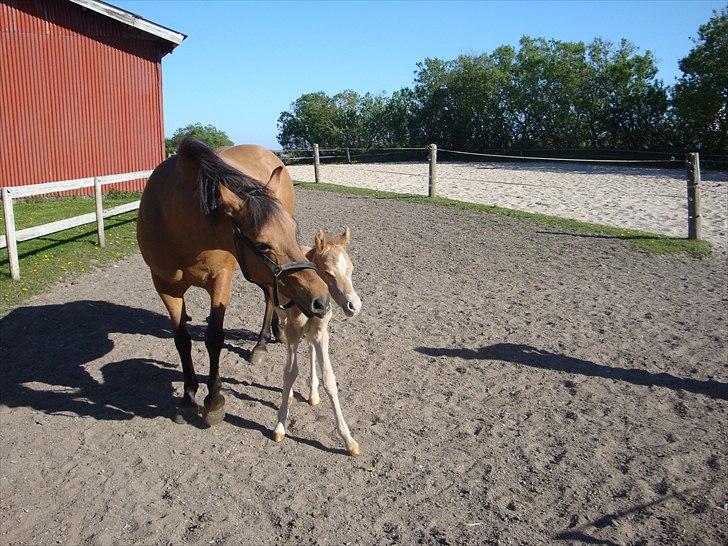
506, 382
628, 196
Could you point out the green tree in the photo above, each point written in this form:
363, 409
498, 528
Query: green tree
206, 133
700, 97
312, 119
547, 93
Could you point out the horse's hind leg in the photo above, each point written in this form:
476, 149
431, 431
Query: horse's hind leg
175, 307
214, 411
276, 330
257, 355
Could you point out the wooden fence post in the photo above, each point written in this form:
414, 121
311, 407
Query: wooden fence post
433, 169
348, 156
695, 221
316, 163
12, 243
99, 211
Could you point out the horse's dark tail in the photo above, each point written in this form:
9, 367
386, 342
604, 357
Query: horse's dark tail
213, 171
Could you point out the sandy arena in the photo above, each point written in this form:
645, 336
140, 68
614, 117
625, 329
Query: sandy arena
623, 196
507, 383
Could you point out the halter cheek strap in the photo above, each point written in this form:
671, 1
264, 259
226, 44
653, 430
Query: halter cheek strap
276, 269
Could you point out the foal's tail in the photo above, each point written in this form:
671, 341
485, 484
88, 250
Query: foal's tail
211, 171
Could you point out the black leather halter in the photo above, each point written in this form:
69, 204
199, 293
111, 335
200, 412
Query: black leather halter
276, 269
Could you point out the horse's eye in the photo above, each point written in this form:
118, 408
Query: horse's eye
263, 247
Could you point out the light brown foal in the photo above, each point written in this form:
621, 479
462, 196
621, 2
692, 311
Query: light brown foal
334, 266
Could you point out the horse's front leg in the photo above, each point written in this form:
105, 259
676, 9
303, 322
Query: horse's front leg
257, 355
321, 346
289, 377
214, 411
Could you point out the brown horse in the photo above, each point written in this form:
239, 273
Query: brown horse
196, 214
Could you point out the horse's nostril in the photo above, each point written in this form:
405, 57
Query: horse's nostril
318, 306
351, 306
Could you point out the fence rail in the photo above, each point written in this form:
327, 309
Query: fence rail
13, 237
691, 160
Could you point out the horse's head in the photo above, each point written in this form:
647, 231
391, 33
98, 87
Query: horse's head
268, 235
335, 268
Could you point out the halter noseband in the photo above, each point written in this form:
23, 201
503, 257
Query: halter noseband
276, 269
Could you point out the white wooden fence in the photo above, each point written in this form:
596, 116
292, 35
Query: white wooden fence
13, 237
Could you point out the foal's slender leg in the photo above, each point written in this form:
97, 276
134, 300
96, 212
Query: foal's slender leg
313, 398
289, 377
257, 355
175, 307
219, 290
321, 344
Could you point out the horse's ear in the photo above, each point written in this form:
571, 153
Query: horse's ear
319, 240
228, 202
345, 237
275, 177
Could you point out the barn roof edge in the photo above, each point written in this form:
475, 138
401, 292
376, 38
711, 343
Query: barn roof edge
132, 19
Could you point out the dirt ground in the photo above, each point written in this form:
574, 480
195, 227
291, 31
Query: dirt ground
507, 383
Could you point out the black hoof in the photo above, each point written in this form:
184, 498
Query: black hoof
186, 414
213, 418
214, 410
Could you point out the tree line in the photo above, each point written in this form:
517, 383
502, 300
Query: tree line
543, 94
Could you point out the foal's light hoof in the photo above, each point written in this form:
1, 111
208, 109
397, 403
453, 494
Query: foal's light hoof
314, 401
213, 417
257, 356
353, 448
278, 436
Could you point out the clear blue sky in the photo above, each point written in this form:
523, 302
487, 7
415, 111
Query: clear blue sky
243, 63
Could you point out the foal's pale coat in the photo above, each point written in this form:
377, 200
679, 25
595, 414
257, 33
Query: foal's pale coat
334, 267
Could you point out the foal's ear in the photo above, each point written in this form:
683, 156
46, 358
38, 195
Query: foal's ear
275, 176
345, 237
319, 240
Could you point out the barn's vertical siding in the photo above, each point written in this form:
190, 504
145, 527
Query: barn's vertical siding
80, 95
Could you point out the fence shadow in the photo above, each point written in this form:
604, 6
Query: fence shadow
579, 533
536, 358
45, 351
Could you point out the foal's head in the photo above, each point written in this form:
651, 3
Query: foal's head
334, 266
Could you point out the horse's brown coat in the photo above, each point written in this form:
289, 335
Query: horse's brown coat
183, 247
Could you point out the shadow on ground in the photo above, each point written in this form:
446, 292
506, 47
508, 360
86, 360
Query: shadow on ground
46, 349
530, 356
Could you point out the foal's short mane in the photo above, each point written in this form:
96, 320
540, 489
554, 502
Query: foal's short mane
213, 171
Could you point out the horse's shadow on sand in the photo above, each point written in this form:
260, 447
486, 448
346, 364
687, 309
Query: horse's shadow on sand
530, 356
45, 350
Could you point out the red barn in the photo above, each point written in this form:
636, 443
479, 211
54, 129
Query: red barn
80, 91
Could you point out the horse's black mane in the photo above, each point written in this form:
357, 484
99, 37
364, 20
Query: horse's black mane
213, 171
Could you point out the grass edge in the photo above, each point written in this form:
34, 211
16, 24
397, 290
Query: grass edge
645, 241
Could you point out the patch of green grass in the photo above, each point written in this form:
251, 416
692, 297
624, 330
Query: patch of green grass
642, 240
66, 254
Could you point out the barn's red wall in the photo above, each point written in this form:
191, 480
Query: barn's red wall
80, 95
